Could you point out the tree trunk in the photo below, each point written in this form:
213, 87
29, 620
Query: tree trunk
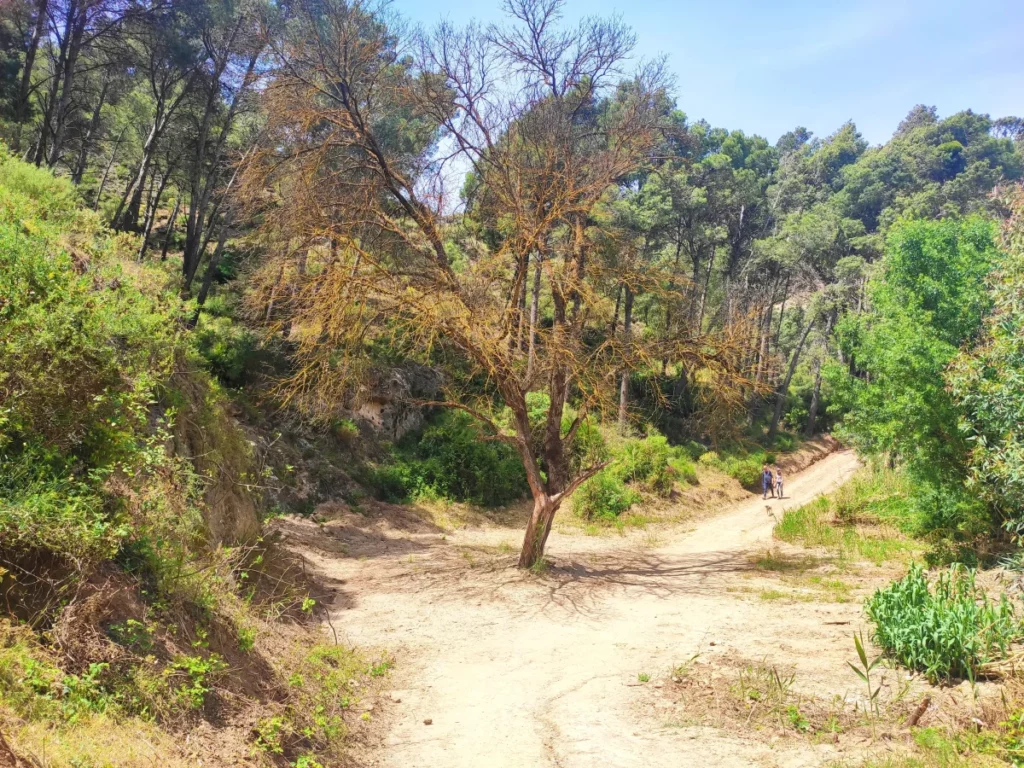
537, 531
782, 312
762, 353
531, 360
627, 332
170, 228
62, 113
704, 293
618, 306
151, 209
39, 150
204, 180
127, 214
94, 124
25, 89
521, 330
106, 171
812, 413
211, 269
780, 400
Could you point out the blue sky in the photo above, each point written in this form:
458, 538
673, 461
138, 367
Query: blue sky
766, 67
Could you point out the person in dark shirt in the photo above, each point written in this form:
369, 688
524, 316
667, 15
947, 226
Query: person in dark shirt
767, 482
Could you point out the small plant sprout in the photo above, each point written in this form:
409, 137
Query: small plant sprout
797, 719
682, 670
643, 677
864, 671
308, 604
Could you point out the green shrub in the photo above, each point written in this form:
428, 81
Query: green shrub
709, 459
44, 504
693, 449
200, 673
588, 447
450, 459
648, 462
392, 482
947, 632
226, 346
321, 688
345, 430
746, 471
89, 342
684, 470
784, 442
603, 497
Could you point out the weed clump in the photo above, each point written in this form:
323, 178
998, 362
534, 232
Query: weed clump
857, 521
603, 497
950, 631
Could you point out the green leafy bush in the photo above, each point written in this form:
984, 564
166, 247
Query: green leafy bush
747, 471
200, 673
588, 447
693, 449
784, 442
648, 462
88, 343
392, 482
709, 459
451, 460
684, 470
44, 504
603, 497
226, 346
947, 632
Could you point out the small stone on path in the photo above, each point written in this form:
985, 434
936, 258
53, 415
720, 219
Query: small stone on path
428, 721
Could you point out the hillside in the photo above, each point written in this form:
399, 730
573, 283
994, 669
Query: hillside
347, 360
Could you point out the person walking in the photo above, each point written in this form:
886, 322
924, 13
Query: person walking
767, 486
778, 482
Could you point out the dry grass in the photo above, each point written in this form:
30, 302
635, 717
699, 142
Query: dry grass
95, 741
754, 697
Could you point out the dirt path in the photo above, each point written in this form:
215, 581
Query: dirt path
518, 671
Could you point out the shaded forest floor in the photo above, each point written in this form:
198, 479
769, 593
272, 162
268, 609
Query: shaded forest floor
701, 643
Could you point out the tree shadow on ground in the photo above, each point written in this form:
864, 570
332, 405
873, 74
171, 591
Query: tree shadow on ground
575, 586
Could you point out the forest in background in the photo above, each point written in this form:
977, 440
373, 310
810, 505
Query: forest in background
607, 259
219, 209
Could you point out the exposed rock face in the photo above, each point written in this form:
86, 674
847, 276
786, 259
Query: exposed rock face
389, 402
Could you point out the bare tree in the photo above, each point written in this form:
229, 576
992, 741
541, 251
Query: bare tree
363, 120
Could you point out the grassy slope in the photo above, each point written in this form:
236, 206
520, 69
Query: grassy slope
123, 626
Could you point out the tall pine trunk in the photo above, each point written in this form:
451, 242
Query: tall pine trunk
106, 171
94, 124
211, 269
627, 334
170, 228
63, 112
127, 214
25, 88
780, 398
151, 209
812, 413
38, 151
